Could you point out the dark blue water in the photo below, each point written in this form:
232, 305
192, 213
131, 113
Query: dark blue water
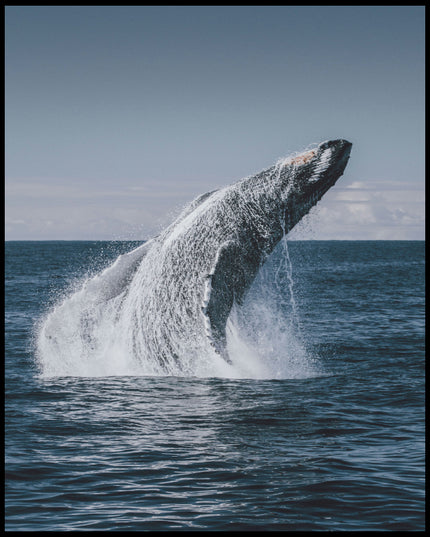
340, 450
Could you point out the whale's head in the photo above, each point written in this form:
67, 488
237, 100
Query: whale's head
304, 178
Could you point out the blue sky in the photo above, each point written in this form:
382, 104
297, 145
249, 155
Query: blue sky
117, 116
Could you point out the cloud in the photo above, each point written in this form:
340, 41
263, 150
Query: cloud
70, 209
38, 209
371, 210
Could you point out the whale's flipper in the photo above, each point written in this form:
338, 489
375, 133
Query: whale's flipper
223, 282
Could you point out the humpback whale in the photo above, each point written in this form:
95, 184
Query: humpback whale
169, 300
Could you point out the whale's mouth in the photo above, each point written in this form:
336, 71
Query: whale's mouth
328, 165
320, 158
309, 175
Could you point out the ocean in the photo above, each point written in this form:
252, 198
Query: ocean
321, 429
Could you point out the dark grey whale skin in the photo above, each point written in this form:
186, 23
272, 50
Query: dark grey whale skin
207, 259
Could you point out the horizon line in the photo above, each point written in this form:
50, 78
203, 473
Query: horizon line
145, 240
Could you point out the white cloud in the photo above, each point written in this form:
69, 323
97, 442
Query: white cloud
371, 210
36, 209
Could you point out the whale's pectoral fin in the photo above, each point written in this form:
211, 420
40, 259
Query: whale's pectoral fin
225, 282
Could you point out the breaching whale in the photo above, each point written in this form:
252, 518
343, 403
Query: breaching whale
169, 300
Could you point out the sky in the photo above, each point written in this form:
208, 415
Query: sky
116, 117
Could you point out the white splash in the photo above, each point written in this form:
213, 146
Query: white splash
90, 333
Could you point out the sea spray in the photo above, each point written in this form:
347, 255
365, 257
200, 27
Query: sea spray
94, 332
268, 324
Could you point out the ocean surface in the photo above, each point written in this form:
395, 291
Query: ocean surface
325, 431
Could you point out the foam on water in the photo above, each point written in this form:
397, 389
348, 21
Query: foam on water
90, 332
